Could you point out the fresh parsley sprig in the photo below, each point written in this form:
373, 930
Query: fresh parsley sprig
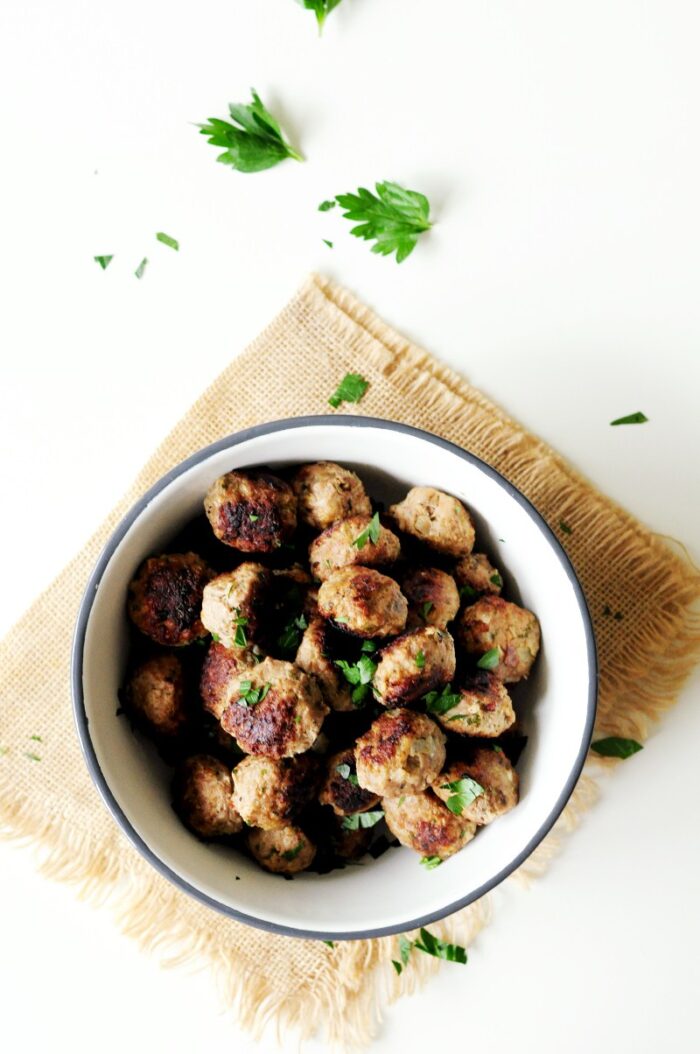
429, 945
440, 702
394, 218
463, 793
360, 675
370, 533
253, 142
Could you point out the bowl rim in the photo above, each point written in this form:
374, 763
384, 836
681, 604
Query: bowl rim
78, 652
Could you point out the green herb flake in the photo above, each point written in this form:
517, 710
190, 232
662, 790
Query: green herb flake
141, 268
172, 243
467, 592
405, 948
368, 646
37, 739
370, 533
362, 820
394, 218
420, 660
440, 702
321, 8
292, 854
253, 518
350, 390
490, 659
564, 527
326, 242
326, 206
331, 944
253, 142
430, 862
463, 793
360, 675
425, 610
103, 261
216, 638
343, 770
496, 580
401, 800
637, 418
397, 966
431, 945
250, 696
32, 757
616, 747
290, 636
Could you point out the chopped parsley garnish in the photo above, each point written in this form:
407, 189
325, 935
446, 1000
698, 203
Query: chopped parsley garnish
464, 791
362, 820
103, 261
326, 206
253, 142
172, 243
250, 696
290, 636
467, 592
440, 702
564, 527
405, 948
292, 854
141, 268
496, 580
490, 659
216, 638
37, 739
431, 945
347, 774
637, 418
425, 610
326, 242
368, 646
321, 8
430, 862
253, 518
359, 674
240, 622
32, 757
616, 747
331, 944
394, 218
420, 660
370, 533
350, 390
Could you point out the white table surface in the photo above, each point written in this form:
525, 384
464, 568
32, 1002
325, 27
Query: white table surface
558, 144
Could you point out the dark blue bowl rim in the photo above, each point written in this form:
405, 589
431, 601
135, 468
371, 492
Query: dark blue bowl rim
78, 647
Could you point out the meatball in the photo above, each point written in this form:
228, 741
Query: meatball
341, 789
475, 576
363, 602
437, 519
414, 664
268, 793
336, 547
421, 822
312, 656
496, 623
165, 598
221, 667
327, 492
433, 598
275, 709
484, 708
350, 845
155, 695
401, 753
284, 851
252, 511
493, 772
232, 604
202, 797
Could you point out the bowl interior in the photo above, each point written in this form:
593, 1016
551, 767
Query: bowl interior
394, 892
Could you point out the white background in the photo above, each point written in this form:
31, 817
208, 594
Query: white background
558, 143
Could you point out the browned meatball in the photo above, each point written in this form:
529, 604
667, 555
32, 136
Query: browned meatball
312, 656
165, 598
495, 782
341, 788
414, 664
437, 519
350, 845
433, 599
421, 822
475, 575
254, 512
155, 695
327, 492
363, 602
275, 710
232, 604
268, 793
220, 671
338, 547
284, 851
401, 753
484, 708
496, 623
202, 793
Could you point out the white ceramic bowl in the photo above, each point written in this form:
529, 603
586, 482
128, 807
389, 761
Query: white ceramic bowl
393, 893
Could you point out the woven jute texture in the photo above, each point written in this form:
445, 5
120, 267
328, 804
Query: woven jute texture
290, 370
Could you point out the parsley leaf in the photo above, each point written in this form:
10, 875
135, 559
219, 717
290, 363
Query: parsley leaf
172, 243
496, 579
291, 854
331, 944
32, 757
326, 206
637, 418
359, 674
616, 747
290, 636
464, 792
141, 268
441, 702
347, 774
255, 142
490, 659
350, 390
362, 819
250, 696
425, 610
397, 966
103, 261
430, 862
420, 660
431, 945
393, 218
370, 533
321, 8
467, 592
368, 646
405, 947
326, 242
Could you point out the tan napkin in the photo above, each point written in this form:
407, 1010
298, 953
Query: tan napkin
291, 369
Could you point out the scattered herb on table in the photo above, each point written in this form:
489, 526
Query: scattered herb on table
254, 142
350, 390
564, 527
370, 533
37, 739
141, 267
321, 8
326, 242
405, 948
394, 218
431, 945
637, 418
326, 206
331, 944
420, 660
616, 747
430, 862
463, 793
103, 261
359, 674
362, 820
440, 702
32, 757
490, 659
172, 243
250, 696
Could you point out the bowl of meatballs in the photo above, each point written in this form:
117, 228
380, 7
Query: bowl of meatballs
334, 677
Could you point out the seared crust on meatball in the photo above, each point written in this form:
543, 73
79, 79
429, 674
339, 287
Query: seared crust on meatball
401, 753
288, 716
413, 664
327, 492
155, 695
433, 598
437, 519
484, 708
335, 547
344, 793
284, 851
165, 598
423, 823
202, 797
312, 656
363, 602
233, 597
221, 667
476, 575
254, 512
496, 623
492, 770
268, 792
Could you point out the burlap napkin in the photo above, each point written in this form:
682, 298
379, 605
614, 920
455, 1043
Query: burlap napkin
645, 654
